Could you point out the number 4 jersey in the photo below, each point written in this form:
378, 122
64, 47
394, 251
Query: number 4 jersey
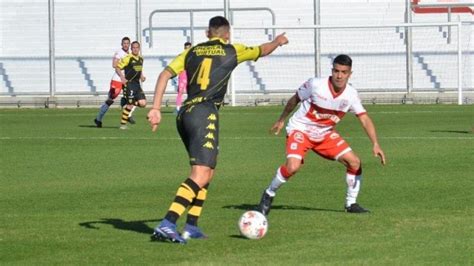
208, 67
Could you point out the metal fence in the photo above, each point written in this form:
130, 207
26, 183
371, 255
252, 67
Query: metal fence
59, 52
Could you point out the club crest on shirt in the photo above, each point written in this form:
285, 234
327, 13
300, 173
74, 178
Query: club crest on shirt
343, 104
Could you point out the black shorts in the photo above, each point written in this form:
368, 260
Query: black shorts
198, 127
133, 92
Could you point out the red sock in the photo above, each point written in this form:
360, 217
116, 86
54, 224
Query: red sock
284, 172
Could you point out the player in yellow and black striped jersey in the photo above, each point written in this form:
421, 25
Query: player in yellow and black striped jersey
132, 75
208, 67
214, 57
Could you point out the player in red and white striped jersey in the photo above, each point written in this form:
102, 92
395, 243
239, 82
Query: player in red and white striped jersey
324, 102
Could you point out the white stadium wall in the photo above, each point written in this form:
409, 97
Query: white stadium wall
87, 33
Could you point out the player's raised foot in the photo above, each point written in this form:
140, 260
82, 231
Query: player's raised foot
131, 120
356, 208
98, 123
123, 127
191, 231
265, 203
166, 231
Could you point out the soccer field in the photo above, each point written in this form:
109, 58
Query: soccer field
74, 194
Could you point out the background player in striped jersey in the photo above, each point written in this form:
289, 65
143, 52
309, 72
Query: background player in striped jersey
116, 84
324, 101
208, 67
131, 76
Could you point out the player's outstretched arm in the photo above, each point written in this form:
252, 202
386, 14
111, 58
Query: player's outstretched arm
369, 128
289, 107
269, 47
154, 115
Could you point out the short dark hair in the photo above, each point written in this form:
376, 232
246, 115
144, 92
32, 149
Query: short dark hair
125, 39
217, 22
136, 43
187, 44
343, 59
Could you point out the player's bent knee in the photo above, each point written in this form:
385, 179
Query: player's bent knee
350, 160
201, 174
354, 166
293, 167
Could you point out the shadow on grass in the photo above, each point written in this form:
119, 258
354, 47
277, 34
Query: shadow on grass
166, 112
135, 226
103, 127
238, 237
451, 131
279, 207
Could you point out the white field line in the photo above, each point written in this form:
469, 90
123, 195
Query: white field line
222, 138
236, 113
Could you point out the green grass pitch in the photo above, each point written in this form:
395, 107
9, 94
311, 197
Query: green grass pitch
74, 194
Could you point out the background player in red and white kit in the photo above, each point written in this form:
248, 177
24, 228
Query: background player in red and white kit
116, 84
182, 82
324, 101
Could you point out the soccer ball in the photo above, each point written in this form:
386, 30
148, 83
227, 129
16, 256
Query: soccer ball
253, 225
